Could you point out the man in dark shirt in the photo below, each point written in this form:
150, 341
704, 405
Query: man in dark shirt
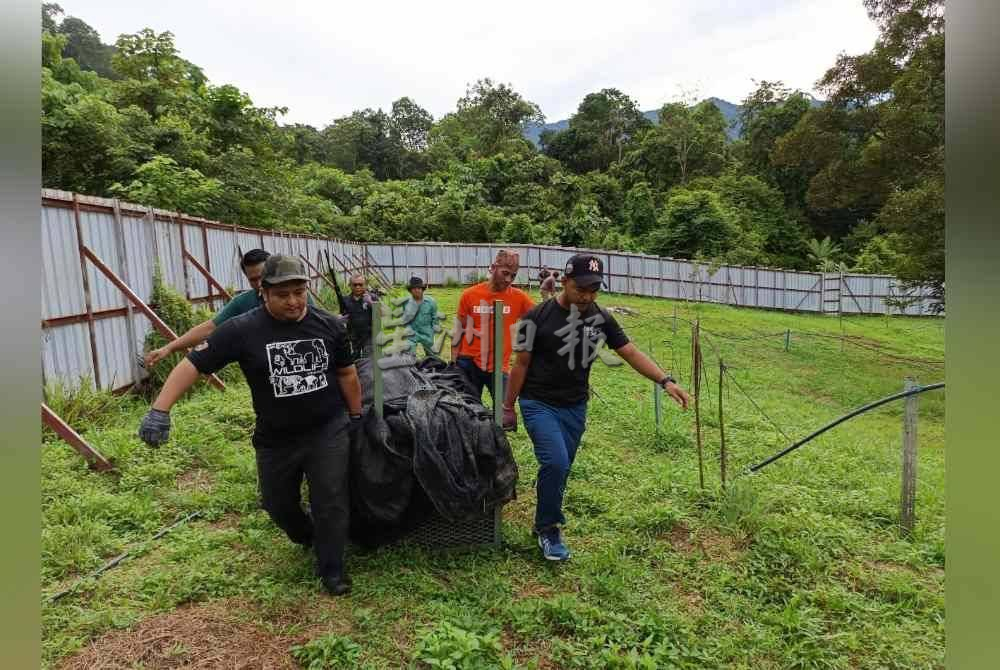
357, 307
305, 392
252, 264
557, 341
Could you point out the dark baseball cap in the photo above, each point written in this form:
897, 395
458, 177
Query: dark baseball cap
279, 268
585, 269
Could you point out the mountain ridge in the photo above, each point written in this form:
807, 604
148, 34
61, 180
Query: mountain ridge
731, 111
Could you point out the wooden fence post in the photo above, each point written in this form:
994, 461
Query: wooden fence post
657, 396
908, 497
696, 375
722, 429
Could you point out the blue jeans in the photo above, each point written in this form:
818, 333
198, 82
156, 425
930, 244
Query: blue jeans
555, 433
480, 377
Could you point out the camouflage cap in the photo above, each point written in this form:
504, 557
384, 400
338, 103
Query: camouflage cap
280, 268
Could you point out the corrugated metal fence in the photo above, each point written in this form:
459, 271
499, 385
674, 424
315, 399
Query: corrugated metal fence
90, 330
639, 274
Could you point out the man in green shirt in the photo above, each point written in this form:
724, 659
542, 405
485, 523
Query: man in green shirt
420, 314
252, 265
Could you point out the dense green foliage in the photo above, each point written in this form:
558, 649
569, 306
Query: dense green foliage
180, 316
865, 169
799, 566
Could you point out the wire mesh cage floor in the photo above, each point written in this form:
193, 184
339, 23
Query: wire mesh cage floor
436, 532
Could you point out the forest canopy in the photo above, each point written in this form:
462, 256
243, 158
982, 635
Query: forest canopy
855, 183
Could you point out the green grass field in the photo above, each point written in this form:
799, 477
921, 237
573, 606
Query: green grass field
801, 565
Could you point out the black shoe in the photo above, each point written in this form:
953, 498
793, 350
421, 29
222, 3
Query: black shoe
337, 585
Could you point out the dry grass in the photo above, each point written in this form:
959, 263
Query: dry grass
198, 636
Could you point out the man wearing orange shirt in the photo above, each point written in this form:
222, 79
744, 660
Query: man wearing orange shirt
472, 346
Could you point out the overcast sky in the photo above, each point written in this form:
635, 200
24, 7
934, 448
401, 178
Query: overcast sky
323, 60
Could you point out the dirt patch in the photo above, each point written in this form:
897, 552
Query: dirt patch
536, 652
227, 521
712, 544
719, 547
195, 480
532, 590
679, 538
693, 602
198, 636
932, 574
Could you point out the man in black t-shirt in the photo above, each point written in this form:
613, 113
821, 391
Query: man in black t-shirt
305, 393
357, 307
556, 343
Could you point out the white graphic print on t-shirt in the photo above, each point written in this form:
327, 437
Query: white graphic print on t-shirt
297, 367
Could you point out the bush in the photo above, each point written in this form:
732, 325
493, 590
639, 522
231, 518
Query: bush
181, 316
327, 652
82, 405
449, 647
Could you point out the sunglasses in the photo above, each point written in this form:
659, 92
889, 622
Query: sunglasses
357, 284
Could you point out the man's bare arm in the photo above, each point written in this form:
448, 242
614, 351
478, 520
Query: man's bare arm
350, 388
645, 366
191, 338
518, 372
181, 378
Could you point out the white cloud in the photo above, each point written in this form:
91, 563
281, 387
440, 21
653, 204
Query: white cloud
323, 60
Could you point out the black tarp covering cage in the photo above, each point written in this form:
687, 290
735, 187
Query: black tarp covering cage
435, 469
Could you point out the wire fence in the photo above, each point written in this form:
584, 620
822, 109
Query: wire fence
746, 357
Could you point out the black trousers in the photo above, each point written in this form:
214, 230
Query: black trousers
325, 467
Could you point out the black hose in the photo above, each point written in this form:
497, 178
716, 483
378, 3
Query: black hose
121, 557
860, 410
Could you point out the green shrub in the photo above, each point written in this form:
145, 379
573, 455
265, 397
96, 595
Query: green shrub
82, 405
180, 315
450, 648
327, 653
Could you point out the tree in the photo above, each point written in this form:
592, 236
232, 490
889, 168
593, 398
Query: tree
688, 141
154, 76
50, 11
598, 131
306, 144
162, 183
364, 140
231, 119
411, 124
87, 143
639, 210
693, 224
83, 44
768, 113
488, 118
824, 254
877, 150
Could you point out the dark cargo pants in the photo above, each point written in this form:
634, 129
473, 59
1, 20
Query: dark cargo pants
325, 467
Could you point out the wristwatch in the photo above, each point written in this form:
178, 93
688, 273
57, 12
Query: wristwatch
667, 380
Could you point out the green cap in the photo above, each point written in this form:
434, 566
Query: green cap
279, 268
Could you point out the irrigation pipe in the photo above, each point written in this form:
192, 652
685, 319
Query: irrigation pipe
860, 410
121, 557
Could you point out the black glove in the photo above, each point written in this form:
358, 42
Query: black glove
155, 427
